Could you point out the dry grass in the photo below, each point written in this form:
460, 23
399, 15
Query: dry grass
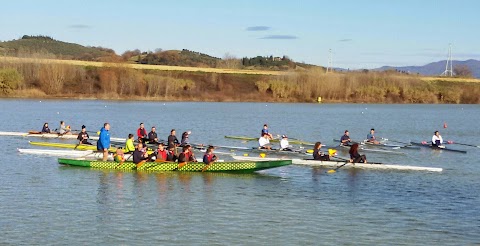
451, 79
140, 66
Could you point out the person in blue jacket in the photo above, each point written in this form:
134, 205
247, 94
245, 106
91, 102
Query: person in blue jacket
103, 143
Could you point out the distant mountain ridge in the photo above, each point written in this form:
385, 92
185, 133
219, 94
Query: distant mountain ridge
436, 68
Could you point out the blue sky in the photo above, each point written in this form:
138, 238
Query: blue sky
362, 34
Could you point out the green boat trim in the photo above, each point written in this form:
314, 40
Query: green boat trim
244, 138
233, 166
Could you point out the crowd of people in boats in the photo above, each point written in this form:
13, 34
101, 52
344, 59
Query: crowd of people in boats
168, 151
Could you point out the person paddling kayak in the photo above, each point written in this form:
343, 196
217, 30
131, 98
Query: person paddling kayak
172, 139
437, 140
345, 139
209, 156
64, 129
371, 137
45, 128
284, 145
263, 142
355, 157
103, 143
142, 133
83, 136
318, 154
129, 145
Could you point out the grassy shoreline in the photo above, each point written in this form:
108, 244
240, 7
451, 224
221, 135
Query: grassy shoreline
68, 79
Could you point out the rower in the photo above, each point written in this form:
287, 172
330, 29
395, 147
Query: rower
192, 155
129, 145
172, 139
64, 129
265, 130
140, 154
142, 133
83, 136
185, 136
161, 153
437, 140
171, 156
152, 136
318, 154
371, 137
284, 145
263, 142
45, 128
186, 155
209, 157
103, 143
355, 157
345, 139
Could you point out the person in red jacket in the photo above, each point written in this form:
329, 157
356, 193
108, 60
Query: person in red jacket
142, 134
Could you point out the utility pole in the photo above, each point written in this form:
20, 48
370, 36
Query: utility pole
330, 61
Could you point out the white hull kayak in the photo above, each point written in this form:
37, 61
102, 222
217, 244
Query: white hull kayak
334, 164
53, 135
87, 154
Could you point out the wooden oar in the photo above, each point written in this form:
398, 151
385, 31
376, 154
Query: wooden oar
207, 166
141, 163
181, 164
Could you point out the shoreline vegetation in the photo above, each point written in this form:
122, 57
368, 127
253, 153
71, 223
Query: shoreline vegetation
31, 77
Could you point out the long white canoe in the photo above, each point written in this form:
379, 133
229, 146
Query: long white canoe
333, 164
53, 135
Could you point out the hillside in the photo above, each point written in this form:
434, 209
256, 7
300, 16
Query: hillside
28, 45
436, 68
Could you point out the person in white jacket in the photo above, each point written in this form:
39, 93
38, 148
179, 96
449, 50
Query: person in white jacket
437, 139
284, 145
263, 142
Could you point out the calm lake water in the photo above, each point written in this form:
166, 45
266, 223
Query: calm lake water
42, 202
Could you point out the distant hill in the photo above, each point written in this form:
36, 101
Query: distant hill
436, 68
47, 45
179, 58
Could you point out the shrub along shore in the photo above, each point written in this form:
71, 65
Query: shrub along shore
32, 79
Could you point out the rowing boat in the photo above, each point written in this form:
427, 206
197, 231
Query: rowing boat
291, 141
428, 145
333, 164
88, 154
52, 135
69, 146
233, 166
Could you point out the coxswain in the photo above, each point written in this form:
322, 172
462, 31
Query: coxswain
152, 136
345, 139
355, 157
185, 140
103, 143
142, 133
284, 145
318, 154
209, 156
139, 155
64, 129
129, 145
161, 153
83, 136
437, 140
172, 139
265, 130
264, 142
371, 137
171, 156
45, 128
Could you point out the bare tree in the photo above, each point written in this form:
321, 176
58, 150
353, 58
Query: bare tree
462, 71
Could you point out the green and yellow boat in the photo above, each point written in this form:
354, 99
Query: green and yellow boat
231, 167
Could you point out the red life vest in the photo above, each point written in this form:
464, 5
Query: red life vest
209, 157
162, 155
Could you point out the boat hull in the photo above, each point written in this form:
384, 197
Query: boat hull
428, 145
333, 164
235, 167
53, 135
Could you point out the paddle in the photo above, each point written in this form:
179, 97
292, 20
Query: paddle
207, 166
334, 170
471, 145
180, 165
